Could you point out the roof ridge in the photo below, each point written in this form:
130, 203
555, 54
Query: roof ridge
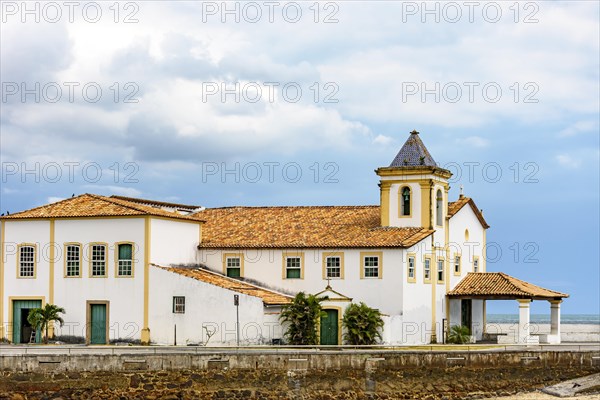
271, 207
109, 200
46, 205
525, 284
149, 201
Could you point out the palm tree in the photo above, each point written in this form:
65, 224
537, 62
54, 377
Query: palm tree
303, 315
363, 324
41, 318
459, 334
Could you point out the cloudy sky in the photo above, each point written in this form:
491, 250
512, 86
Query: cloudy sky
296, 103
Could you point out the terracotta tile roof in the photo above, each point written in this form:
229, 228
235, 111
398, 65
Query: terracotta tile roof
302, 227
501, 286
93, 205
456, 206
269, 297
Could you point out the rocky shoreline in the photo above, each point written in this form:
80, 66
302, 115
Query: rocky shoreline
270, 384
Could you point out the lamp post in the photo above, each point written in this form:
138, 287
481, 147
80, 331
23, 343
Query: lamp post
236, 303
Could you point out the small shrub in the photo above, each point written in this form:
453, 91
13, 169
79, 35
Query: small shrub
459, 334
363, 325
302, 316
129, 341
70, 339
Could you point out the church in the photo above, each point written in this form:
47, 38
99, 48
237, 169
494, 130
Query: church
164, 273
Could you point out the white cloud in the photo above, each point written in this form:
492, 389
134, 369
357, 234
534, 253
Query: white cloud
474, 141
383, 140
110, 190
53, 199
579, 127
568, 161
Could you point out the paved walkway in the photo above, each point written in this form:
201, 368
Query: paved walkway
7, 350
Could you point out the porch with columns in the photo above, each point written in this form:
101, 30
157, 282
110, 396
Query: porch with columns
499, 286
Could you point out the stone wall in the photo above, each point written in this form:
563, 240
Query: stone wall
381, 375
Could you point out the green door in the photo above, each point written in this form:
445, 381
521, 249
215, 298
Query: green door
329, 327
21, 328
98, 324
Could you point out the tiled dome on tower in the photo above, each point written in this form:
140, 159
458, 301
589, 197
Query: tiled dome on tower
413, 153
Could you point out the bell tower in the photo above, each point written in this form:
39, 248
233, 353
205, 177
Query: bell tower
414, 190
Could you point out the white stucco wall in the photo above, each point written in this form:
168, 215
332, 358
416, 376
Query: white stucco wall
124, 294
266, 266
473, 247
206, 305
31, 232
173, 241
407, 306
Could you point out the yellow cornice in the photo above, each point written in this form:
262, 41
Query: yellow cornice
420, 170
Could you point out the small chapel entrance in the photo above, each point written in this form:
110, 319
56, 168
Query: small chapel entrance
333, 306
329, 327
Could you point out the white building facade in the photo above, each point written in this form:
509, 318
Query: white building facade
168, 273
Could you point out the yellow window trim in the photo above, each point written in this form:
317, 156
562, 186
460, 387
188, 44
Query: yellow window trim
106, 253
476, 259
133, 255
414, 277
65, 246
410, 205
35, 260
289, 254
459, 264
439, 217
327, 254
425, 279
233, 255
443, 260
378, 254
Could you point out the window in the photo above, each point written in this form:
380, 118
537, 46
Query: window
179, 304
333, 264
457, 265
438, 208
371, 266
125, 261
293, 268
475, 264
98, 260
233, 267
427, 269
73, 260
334, 267
440, 270
27, 261
411, 269
405, 201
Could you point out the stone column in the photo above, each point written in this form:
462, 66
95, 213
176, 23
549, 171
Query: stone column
523, 333
554, 321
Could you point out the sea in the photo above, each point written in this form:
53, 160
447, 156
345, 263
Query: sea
575, 319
